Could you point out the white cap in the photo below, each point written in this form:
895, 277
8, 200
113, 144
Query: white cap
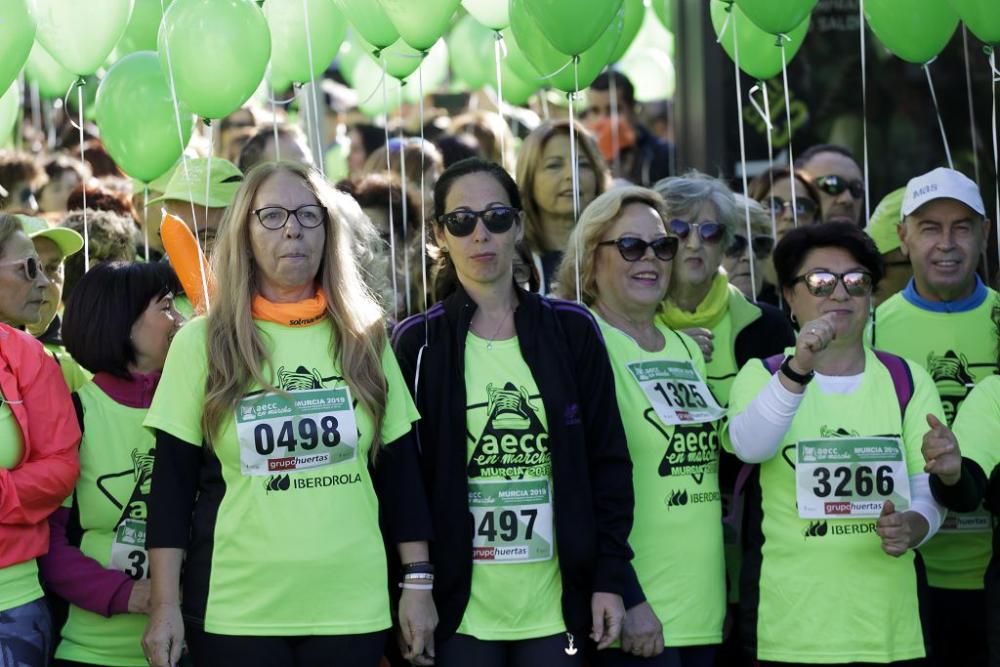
942, 183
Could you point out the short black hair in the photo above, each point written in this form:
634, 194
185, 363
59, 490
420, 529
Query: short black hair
473, 165
803, 158
623, 86
372, 137
98, 319
791, 251
457, 147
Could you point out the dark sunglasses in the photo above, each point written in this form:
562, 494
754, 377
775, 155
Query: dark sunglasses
834, 185
762, 246
823, 283
29, 265
710, 232
497, 220
633, 249
803, 206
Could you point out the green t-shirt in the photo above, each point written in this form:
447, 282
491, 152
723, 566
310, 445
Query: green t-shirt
977, 426
75, 375
676, 480
116, 469
183, 305
825, 591
722, 369
516, 585
293, 540
18, 582
958, 350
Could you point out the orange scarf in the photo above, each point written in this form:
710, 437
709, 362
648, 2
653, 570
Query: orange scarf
299, 314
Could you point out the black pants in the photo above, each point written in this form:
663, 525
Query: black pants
958, 629
211, 650
903, 663
466, 651
685, 656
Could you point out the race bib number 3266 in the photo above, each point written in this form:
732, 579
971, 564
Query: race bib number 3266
850, 478
299, 431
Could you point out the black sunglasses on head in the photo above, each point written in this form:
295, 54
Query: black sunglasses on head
835, 185
762, 246
497, 220
633, 249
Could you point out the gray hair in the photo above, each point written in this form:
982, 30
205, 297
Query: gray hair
685, 195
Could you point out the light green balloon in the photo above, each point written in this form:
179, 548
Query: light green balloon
327, 28
635, 12
368, 85
351, 51
420, 23
472, 52
982, 18
550, 63
53, 79
17, 34
218, 50
135, 114
914, 30
516, 89
10, 104
652, 73
401, 59
760, 56
370, 20
433, 70
493, 14
140, 34
571, 26
777, 16
517, 61
80, 34
664, 10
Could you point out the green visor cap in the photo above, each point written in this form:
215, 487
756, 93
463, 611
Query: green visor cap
189, 184
885, 221
69, 242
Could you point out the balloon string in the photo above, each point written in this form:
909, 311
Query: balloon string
423, 202
313, 99
544, 97
743, 159
406, 221
996, 160
864, 108
274, 116
36, 107
788, 114
145, 218
764, 116
86, 224
208, 178
937, 111
498, 46
972, 111
388, 172
575, 170
770, 161
615, 139
725, 24
560, 70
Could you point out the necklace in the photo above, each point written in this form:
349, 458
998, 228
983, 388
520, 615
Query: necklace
489, 343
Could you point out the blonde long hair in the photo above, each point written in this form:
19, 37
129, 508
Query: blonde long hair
237, 355
594, 223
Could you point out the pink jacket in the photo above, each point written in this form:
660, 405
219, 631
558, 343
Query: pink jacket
36, 393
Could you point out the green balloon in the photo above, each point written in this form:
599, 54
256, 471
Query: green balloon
140, 34
81, 35
517, 90
218, 53
472, 55
571, 26
550, 63
17, 34
982, 18
135, 114
372, 99
664, 10
52, 79
760, 56
914, 30
10, 104
493, 14
90, 85
420, 23
635, 12
327, 28
433, 72
351, 51
401, 59
777, 16
370, 21
517, 61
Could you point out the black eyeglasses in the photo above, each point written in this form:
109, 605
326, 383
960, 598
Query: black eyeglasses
29, 265
497, 220
762, 246
834, 185
710, 231
803, 205
276, 217
633, 249
823, 283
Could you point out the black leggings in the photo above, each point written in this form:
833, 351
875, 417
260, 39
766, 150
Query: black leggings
684, 656
211, 650
467, 651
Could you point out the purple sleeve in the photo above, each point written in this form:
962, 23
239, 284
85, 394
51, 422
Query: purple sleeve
78, 578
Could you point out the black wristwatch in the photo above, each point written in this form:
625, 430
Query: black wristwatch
803, 380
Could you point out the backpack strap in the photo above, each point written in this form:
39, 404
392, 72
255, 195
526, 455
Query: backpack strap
902, 378
773, 364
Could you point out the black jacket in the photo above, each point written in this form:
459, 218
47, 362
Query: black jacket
591, 469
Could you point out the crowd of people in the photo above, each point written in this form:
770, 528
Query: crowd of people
494, 399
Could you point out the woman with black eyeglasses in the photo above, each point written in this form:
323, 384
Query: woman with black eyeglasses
840, 498
522, 449
671, 420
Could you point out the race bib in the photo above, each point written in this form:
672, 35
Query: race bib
978, 521
128, 549
300, 431
850, 478
676, 392
513, 520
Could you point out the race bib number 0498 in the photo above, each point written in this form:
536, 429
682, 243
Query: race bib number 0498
676, 392
850, 478
303, 430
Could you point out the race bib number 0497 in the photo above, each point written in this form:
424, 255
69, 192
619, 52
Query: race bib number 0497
850, 478
676, 392
513, 520
299, 431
